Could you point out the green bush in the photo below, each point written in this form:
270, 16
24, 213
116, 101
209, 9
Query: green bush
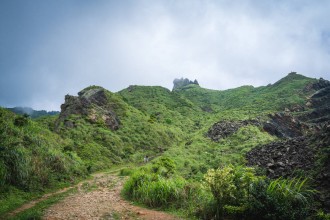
126, 172
230, 187
158, 191
21, 120
320, 215
153, 189
280, 199
238, 193
14, 166
164, 166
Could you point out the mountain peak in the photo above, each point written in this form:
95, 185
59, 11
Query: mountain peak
292, 76
179, 83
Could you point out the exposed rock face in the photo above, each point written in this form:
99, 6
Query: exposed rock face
282, 158
303, 153
322, 138
306, 144
179, 83
91, 103
320, 104
284, 125
223, 129
320, 84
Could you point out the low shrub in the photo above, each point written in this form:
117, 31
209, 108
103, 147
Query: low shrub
280, 199
125, 172
230, 187
239, 194
158, 191
154, 190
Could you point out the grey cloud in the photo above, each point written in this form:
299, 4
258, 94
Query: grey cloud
223, 44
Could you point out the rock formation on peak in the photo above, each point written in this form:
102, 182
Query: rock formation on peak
179, 83
91, 103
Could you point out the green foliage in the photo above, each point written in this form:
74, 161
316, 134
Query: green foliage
158, 185
281, 199
36, 154
320, 215
21, 120
31, 156
14, 166
164, 166
125, 172
231, 187
240, 194
294, 189
155, 190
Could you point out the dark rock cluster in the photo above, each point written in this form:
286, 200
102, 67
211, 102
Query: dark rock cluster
322, 176
284, 125
223, 129
92, 104
319, 104
305, 142
282, 158
315, 86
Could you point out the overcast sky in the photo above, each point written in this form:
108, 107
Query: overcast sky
50, 48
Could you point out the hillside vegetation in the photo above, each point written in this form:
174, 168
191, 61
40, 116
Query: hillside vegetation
190, 171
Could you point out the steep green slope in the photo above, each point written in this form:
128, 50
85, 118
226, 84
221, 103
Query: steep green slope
32, 159
86, 120
163, 106
32, 156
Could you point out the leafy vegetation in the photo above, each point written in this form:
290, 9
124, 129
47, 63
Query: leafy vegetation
187, 172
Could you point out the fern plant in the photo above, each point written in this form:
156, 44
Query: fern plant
294, 189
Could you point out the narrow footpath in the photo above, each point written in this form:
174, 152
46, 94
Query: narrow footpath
98, 198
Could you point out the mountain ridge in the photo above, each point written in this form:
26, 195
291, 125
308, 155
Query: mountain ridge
194, 128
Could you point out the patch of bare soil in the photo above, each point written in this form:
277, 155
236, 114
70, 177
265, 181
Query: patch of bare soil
100, 199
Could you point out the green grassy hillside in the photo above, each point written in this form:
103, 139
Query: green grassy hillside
98, 129
138, 134
252, 101
32, 159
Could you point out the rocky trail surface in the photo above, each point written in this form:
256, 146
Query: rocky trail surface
98, 198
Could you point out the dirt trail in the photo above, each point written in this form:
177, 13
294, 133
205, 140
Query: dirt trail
98, 198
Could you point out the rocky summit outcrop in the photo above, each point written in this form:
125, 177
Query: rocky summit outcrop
223, 129
283, 158
179, 83
92, 104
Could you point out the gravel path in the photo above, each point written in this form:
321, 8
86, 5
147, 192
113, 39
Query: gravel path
100, 199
